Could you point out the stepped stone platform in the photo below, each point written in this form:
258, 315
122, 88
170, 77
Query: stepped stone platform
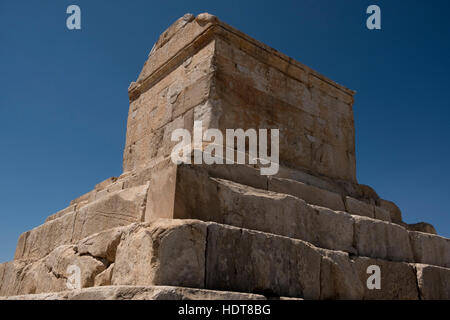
196, 231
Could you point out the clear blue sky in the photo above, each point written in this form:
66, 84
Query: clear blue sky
64, 103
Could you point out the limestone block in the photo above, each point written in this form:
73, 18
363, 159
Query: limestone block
310, 194
102, 185
421, 227
339, 278
306, 178
243, 206
50, 273
87, 197
398, 279
94, 255
383, 240
242, 92
240, 173
10, 273
40, 241
250, 261
382, 214
430, 249
69, 209
359, 208
346, 278
433, 282
172, 47
395, 212
102, 245
104, 278
333, 230
166, 252
115, 210
141, 293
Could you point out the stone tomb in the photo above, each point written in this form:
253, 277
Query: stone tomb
167, 231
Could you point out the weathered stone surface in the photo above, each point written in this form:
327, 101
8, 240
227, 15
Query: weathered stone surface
250, 261
433, 282
10, 273
333, 230
315, 130
102, 245
422, 227
165, 106
141, 293
104, 278
395, 212
359, 208
310, 194
50, 273
380, 239
40, 241
310, 231
382, 214
398, 280
346, 278
117, 209
430, 249
339, 278
243, 206
69, 209
166, 252
195, 60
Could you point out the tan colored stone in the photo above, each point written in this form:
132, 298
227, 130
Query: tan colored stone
240, 173
433, 282
87, 197
309, 179
117, 209
395, 212
421, 227
398, 279
243, 206
10, 273
430, 249
382, 214
69, 209
339, 278
257, 78
359, 208
102, 245
310, 194
40, 241
141, 293
104, 278
250, 261
383, 240
102, 185
166, 252
50, 273
333, 230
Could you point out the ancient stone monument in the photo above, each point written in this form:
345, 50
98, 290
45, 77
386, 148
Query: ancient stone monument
170, 231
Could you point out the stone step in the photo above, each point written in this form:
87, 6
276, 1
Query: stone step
314, 190
140, 293
101, 190
116, 209
207, 255
199, 196
312, 194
